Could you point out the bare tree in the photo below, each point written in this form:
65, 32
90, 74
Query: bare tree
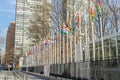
114, 13
110, 17
40, 24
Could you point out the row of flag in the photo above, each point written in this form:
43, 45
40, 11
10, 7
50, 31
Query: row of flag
34, 50
66, 29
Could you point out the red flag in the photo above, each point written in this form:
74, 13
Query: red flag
99, 8
30, 53
92, 13
99, 3
78, 17
47, 40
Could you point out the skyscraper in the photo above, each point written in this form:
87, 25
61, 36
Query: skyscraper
10, 44
24, 13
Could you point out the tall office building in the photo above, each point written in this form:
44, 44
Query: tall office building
10, 44
25, 10
22, 22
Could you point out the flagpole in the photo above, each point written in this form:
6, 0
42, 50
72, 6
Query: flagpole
51, 56
86, 47
38, 57
71, 48
67, 47
60, 48
32, 59
53, 53
93, 41
81, 55
55, 50
63, 50
75, 42
52, 49
57, 47
102, 39
44, 53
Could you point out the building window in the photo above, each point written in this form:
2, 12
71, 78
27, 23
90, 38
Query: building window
106, 49
113, 47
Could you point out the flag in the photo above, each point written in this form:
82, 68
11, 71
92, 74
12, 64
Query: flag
40, 43
64, 29
75, 23
29, 53
71, 29
47, 42
92, 13
99, 8
78, 19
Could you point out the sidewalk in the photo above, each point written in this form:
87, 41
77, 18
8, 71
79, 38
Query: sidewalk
6, 75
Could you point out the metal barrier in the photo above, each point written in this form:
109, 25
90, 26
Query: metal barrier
21, 75
41, 76
8, 76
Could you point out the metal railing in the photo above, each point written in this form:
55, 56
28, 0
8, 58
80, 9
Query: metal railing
21, 76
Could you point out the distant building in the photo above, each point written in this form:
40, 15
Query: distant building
3, 59
9, 56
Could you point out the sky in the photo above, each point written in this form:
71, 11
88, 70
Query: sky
7, 15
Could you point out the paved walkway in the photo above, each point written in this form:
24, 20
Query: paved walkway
6, 75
